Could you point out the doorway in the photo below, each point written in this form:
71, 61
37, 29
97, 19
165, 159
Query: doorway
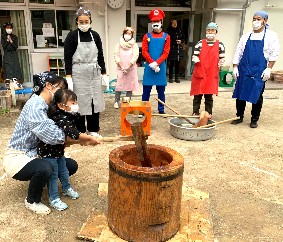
142, 26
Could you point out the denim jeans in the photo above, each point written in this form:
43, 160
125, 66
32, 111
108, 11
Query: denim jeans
59, 171
160, 93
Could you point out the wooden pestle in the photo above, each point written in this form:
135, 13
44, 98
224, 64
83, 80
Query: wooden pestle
174, 111
140, 141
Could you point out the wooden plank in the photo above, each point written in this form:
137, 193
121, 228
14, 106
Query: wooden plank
12, 87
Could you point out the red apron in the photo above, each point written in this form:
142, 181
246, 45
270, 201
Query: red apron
205, 78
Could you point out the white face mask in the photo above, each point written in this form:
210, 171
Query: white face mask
127, 37
156, 26
74, 109
9, 31
257, 24
84, 27
210, 36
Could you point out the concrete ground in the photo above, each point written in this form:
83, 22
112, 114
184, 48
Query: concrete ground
239, 167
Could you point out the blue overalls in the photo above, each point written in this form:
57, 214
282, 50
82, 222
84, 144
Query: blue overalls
250, 86
150, 78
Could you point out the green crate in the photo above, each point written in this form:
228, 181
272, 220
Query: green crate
223, 76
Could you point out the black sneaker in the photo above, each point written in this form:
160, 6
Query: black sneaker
162, 112
237, 121
177, 81
253, 124
170, 81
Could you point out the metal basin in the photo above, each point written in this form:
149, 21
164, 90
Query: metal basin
181, 129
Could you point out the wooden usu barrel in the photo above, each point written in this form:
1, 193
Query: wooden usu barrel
144, 203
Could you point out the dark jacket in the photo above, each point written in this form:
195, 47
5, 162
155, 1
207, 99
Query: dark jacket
66, 121
11, 64
176, 50
70, 47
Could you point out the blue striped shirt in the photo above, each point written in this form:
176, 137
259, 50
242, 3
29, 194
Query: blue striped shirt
33, 124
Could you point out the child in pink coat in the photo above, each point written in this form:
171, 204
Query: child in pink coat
126, 55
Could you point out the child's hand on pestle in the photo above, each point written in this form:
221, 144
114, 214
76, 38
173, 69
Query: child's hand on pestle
83, 140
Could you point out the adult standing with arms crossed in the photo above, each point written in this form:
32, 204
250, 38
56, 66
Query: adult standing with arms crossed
84, 64
255, 55
155, 50
176, 49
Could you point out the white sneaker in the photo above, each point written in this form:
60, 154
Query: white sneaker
116, 105
58, 204
38, 208
96, 135
71, 193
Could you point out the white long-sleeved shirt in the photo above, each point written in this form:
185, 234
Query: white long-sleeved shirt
271, 47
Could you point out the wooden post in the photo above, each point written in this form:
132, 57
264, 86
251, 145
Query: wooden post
12, 88
140, 141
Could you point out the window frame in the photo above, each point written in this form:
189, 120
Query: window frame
34, 7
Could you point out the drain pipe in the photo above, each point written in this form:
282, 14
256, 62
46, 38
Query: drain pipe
106, 37
243, 10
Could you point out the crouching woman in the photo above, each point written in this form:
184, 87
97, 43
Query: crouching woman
21, 161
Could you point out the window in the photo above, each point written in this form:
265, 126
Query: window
19, 29
42, 1
50, 27
12, 1
162, 3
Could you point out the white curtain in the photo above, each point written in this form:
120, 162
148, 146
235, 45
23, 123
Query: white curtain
19, 29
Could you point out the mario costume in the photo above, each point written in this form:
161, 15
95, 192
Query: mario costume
155, 50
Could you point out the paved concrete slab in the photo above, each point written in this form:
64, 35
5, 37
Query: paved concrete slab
196, 220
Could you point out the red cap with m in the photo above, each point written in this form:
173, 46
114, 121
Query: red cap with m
156, 14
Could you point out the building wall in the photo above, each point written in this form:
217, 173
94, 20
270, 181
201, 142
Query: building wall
109, 23
230, 22
110, 27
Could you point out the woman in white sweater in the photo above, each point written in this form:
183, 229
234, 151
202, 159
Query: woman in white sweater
126, 55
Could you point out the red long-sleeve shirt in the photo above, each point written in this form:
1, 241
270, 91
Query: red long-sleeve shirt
166, 50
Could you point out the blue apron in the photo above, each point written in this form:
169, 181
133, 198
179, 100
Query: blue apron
249, 84
155, 49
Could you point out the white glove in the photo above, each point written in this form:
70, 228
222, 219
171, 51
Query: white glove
153, 65
266, 74
235, 73
70, 83
157, 69
221, 62
105, 82
195, 59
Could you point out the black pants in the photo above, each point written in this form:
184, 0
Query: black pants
92, 122
208, 103
256, 108
38, 171
172, 64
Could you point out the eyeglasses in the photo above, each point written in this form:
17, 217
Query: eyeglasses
56, 87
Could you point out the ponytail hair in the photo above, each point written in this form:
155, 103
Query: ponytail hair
60, 96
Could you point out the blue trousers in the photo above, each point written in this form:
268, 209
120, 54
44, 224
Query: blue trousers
59, 171
160, 92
